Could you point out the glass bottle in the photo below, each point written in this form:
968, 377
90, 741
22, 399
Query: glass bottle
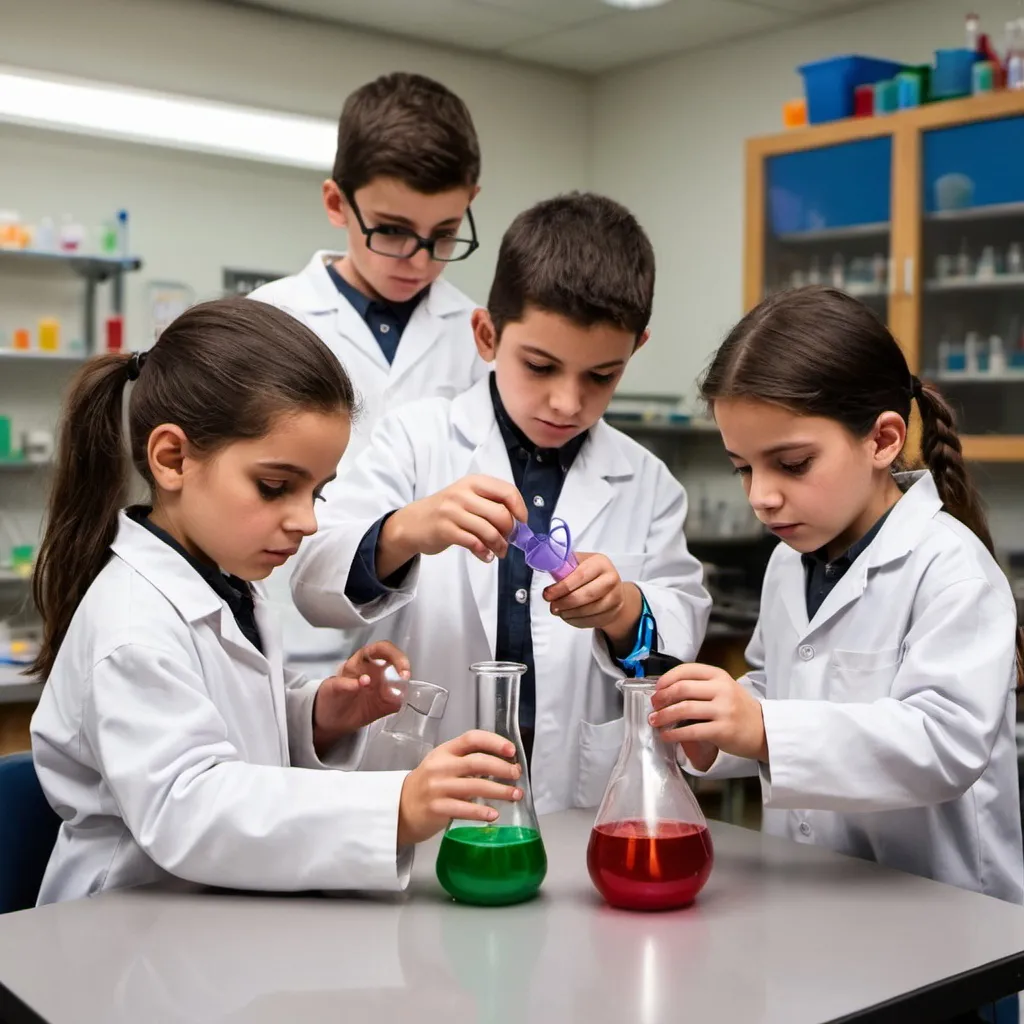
650, 848
411, 732
502, 861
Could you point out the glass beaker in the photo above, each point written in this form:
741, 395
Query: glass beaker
650, 848
411, 732
502, 861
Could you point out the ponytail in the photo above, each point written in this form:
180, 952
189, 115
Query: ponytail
942, 453
89, 488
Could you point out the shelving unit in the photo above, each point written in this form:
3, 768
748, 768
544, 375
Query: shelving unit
94, 270
875, 185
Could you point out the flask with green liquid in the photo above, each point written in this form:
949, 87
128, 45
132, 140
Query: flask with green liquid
492, 863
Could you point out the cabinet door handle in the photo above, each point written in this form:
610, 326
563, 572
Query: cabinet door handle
908, 276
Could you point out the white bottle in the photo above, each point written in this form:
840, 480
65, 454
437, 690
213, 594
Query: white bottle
987, 264
972, 343
814, 275
996, 356
1015, 55
838, 271
46, 235
1015, 259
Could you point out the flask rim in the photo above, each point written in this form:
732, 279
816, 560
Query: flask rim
496, 668
646, 684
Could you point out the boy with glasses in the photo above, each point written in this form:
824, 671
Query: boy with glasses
405, 173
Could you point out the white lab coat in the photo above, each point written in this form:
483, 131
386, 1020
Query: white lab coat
890, 715
165, 741
618, 499
436, 357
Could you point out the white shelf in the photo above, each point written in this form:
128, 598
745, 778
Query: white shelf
854, 231
87, 264
977, 213
977, 377
35, 356
976, 284
22, 465
9, 576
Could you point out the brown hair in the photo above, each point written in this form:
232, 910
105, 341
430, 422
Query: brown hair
222, 371
407, 127
581, 256
819, 352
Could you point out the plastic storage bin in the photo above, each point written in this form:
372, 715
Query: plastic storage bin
952, 77
829, 84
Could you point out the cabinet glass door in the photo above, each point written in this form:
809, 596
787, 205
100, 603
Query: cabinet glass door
828, 219
972, 304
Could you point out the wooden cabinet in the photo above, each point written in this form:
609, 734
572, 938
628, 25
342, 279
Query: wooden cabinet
921, 215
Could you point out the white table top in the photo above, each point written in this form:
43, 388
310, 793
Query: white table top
783, 934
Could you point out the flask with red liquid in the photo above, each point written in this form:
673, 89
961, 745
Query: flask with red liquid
650, 848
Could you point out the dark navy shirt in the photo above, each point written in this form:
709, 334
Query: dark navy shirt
386, 320
823, 575
235, 592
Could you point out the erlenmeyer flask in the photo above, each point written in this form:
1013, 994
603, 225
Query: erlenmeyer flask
650, 848
411, 732
501, 861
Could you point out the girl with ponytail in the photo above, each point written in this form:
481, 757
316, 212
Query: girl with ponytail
169, 737
879, 709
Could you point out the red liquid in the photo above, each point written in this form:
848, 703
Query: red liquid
638, 866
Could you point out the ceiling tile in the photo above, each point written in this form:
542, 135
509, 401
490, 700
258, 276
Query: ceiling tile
818, 8
451, 22
551, 12
624, 38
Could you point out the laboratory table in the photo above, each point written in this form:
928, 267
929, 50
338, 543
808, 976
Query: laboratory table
783, 933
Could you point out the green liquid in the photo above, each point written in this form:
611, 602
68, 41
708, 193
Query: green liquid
491, 866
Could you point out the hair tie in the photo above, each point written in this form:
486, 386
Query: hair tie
916, 387
135, 364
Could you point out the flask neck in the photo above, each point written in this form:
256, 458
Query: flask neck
639, 732
497, 700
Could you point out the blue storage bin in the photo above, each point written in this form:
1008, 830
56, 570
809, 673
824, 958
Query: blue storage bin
829, 84
953, 73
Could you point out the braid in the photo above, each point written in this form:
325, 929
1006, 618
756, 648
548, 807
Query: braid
944, 455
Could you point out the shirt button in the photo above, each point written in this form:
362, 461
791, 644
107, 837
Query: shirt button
384, 328
540, 458
522, 453
538, 501
521, 596
805, 829
831, 572
806, 652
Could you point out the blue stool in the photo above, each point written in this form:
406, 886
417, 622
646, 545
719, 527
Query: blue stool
28, 830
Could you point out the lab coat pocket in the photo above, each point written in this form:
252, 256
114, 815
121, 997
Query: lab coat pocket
630, 567
599, 748
863, 676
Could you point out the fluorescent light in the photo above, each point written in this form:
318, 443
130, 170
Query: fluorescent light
137, 115
635, 5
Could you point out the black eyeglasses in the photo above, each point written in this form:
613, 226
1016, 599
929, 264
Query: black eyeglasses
402, 243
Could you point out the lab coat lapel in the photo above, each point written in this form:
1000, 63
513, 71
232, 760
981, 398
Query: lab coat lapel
473, 417
587, 490
270, 634
896, 539
353, 328
426, 327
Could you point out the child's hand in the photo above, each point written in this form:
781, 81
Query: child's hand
359, 694
706, 710
593, 596
476, 513
448, 778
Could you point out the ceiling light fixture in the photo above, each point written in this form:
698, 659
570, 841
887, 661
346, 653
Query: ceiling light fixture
635, 5
137, 115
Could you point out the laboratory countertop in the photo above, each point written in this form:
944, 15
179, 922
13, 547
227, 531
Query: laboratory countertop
782, 934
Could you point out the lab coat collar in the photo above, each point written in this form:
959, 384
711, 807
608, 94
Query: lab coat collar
319, 294
899, 535
192, 596
605, 454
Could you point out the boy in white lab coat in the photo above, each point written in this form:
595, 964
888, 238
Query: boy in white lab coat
570, 304
405, 174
